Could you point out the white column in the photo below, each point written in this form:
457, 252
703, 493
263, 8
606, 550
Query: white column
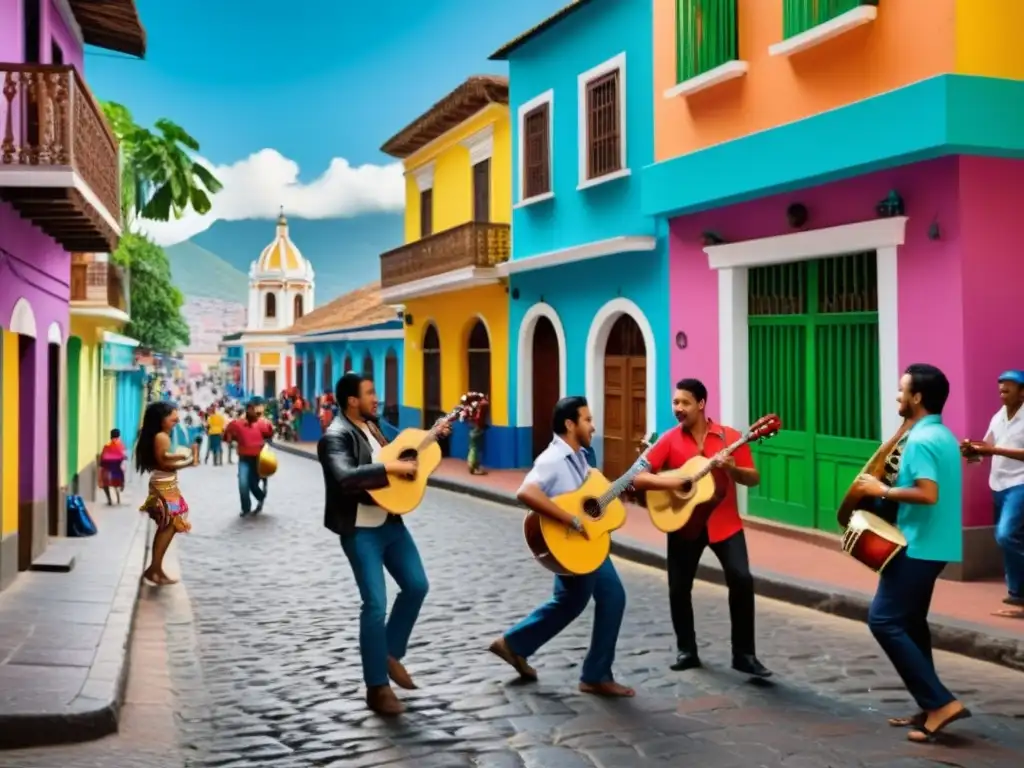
734, 355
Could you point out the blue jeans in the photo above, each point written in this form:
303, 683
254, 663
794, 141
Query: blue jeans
1010, 536
572, 593
898, 619
249, 482
370, 551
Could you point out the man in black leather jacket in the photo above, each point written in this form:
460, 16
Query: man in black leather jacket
371, 538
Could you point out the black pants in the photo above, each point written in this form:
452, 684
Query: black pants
683, 559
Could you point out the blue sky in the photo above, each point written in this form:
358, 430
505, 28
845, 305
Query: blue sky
312, 79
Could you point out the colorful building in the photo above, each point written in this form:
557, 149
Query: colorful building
59, 193
127, 379
281, 291
232, 364
355, 332
589, 306
843, 191
457, 159
99, 309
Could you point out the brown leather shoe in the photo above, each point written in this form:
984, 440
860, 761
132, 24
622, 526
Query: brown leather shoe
400, 675
382, 700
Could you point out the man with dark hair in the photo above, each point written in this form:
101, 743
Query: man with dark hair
371, 538
562, 468
1004, 442
930, 521
697, 435
250, 434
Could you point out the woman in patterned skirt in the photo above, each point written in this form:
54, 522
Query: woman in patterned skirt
165, 505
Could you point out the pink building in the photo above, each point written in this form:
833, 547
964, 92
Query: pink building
59, 193
834, 217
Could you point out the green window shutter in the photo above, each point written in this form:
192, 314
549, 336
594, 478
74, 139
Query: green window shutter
706, 36
801, 15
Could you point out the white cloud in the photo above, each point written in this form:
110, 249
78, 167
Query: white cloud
257, 187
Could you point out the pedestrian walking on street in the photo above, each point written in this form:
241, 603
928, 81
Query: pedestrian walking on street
250, 433
112, 461
215, 436
164, 504
1004, 442
372, 539
929, 494
697, 435
562, 468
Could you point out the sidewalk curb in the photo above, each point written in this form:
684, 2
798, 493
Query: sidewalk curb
95, 712
963, 638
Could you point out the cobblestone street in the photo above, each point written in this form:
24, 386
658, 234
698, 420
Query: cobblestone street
263, 661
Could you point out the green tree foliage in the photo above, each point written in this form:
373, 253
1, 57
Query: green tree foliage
155, 303
160, 180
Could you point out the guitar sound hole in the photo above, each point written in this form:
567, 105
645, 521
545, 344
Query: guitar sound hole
592, 509
409, 454
687, 488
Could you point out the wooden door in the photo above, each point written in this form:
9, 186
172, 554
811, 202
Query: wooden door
391, 388
432, 407
53, 439
368, 365
478, 363
546, 377
270, 384
625, 396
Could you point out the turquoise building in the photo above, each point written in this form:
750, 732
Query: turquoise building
588, 277
129, 379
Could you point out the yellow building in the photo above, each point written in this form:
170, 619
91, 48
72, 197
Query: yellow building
458, 171
98, 309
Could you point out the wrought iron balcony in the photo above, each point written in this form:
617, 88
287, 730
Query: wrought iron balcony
58, 158
99, 287
475, 244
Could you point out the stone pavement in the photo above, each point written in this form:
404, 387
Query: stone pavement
64, 636
266, 669
808, 570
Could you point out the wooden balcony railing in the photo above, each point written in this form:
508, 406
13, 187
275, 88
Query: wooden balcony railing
99, 283
475, 244
49, 121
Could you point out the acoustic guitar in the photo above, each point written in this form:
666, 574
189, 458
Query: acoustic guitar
565, 551
403, 494
688, 508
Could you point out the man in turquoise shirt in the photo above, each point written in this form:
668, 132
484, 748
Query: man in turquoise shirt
928, 491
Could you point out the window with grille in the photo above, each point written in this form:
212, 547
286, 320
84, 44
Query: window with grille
706, 36
801, 15
604, 125
426, 213
537, 151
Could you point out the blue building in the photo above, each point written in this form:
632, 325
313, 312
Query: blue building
355, 332
129, 385
232, 363
588, 277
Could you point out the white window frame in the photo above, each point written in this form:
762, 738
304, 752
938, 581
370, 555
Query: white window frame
584, 79
548, 97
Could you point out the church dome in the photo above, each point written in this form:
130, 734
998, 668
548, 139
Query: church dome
282, 257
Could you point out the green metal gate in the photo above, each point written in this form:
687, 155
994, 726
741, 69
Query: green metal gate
813, 345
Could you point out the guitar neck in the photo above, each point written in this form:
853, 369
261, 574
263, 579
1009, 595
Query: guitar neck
431, 437
727, 452
619, 486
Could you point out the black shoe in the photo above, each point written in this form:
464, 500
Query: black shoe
1015, 601
748, 664
686, 660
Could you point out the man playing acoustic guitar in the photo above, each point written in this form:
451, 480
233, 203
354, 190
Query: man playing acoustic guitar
371, 538
698, 436
562, 468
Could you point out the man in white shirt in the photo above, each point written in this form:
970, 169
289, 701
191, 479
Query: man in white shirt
1004, 442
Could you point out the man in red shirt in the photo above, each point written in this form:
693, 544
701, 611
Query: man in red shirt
250, 434
698, 435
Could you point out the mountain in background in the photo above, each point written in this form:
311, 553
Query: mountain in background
216, 295
344, 252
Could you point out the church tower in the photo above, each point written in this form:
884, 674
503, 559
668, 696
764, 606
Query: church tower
281, 284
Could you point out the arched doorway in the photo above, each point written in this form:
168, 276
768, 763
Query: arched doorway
368, 365
478, 363
625, 395
432, 407
391, 388
300, 372
55, 511
546, 377
348, 362
298, 307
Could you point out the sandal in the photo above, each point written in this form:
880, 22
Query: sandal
914, 721
922, 735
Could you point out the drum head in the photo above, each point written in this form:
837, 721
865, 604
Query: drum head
872, 522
